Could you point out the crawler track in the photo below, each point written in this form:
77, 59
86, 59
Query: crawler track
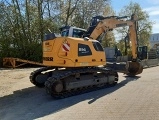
64, 77
38, 72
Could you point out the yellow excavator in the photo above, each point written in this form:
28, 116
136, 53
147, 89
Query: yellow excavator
75, 65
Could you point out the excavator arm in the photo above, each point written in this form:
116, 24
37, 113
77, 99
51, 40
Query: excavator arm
133, 38
101, 25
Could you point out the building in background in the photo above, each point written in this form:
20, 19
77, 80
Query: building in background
154, 39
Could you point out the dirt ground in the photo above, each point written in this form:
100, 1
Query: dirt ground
131, 99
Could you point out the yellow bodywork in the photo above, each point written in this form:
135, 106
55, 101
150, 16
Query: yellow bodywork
111, 23
55, 55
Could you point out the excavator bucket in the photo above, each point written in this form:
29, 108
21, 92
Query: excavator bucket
133, 68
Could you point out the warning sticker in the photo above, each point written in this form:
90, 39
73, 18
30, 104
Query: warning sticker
66, 46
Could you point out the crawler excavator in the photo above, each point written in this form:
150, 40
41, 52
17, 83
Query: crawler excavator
76, 65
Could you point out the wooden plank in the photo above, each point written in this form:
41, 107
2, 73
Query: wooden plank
21, 64
17, 62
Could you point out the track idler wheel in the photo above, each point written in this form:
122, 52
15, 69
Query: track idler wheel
133, 68
57, 87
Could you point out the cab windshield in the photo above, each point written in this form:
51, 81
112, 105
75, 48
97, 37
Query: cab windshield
65, 33
78, 33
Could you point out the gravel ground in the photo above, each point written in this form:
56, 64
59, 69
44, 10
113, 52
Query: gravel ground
131, 99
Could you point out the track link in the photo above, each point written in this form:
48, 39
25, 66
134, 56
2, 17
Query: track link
61, 77
37, 72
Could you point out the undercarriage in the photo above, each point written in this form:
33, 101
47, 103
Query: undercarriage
66, 82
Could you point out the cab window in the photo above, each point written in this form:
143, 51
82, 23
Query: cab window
78, 33
64, 33
97, 46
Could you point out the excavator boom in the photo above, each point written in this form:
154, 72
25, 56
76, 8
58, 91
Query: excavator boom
101, 25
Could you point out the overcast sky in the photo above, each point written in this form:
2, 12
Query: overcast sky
151, 6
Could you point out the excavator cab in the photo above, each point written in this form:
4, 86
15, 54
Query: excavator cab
69, 31
142, 52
